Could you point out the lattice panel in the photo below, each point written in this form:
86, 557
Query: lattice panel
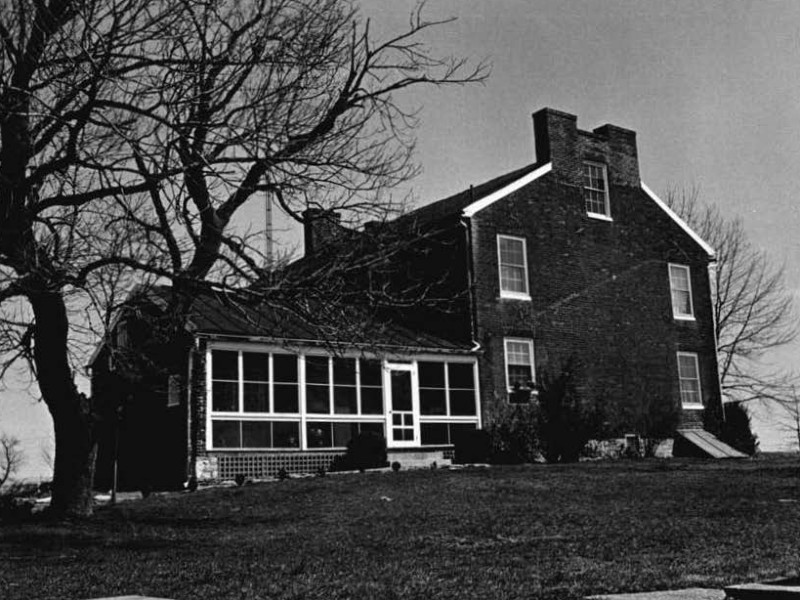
268, 465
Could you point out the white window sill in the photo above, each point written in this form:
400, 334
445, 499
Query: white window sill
599, 217
514, 296
684, 317
692, 406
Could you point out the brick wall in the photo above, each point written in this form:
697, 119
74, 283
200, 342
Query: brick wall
599, 290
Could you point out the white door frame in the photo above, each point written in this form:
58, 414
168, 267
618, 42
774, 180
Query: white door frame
408, 419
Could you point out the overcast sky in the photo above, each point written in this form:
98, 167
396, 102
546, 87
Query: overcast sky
711, 88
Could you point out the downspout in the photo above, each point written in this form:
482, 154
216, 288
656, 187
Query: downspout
466, 223
711, 273
191, 455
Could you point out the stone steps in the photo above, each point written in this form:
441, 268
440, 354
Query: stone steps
418, 459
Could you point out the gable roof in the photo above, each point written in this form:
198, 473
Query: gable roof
458, 203
680, 222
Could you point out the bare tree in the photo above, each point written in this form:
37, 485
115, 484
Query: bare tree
133, 131
753, 307
11, 457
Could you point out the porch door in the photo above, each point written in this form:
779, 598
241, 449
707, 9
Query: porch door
403, 412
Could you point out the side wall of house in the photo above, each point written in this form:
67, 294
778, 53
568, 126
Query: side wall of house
599, 289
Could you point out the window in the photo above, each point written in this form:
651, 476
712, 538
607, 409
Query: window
327, 434
173, 391
519, 368
689, 376
259, 388
513, 267
446, 388
443, 434
595, 190
680, 284
238, 434
335, 378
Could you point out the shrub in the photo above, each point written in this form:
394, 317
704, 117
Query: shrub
737, 430
367, 450
566, 421
513, 434
472, 446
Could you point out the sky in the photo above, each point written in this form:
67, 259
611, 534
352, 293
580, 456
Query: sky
712, 89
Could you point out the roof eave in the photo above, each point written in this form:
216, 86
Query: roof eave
515, 185
680, 222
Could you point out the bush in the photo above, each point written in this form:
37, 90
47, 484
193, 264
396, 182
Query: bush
472, 446
737, 430
566, 421
367, 450
514, 434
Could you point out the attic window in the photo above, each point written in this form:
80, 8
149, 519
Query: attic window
595, 190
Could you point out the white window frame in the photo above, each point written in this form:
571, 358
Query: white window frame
677, 315
692, 405
303, 417
529, 343
606, 215
509, 293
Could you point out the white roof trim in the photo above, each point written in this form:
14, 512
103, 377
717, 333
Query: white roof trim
681, 223
505, 191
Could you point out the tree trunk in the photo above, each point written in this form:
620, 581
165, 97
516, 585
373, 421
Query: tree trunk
76, 446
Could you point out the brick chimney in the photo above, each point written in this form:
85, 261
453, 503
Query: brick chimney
560, 142
320, 228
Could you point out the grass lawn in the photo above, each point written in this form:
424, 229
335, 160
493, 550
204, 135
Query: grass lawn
507, 532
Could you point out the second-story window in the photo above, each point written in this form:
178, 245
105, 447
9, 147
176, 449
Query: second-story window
595, 190
680, 284
513, 267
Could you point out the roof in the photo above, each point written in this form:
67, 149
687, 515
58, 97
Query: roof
457, 203
297, 319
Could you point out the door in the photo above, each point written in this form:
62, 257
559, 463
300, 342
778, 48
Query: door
403, 415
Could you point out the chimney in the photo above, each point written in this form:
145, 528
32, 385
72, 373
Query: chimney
320, 228
556, 137
560, 142
621, 152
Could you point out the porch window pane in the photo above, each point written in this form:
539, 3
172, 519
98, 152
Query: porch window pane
224, 396
433, 434
462, 402
285, 434
431, 374
344, 400
432, 402
256, 434
255, 366
286, 397
317, 400
343, 433
344, 371
256, 397
371, 401
461, 375
370, 372
225, 365
226, 434
372, 427
317, 369
284, 368
318, 434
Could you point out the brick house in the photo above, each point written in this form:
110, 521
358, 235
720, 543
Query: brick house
570, 260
